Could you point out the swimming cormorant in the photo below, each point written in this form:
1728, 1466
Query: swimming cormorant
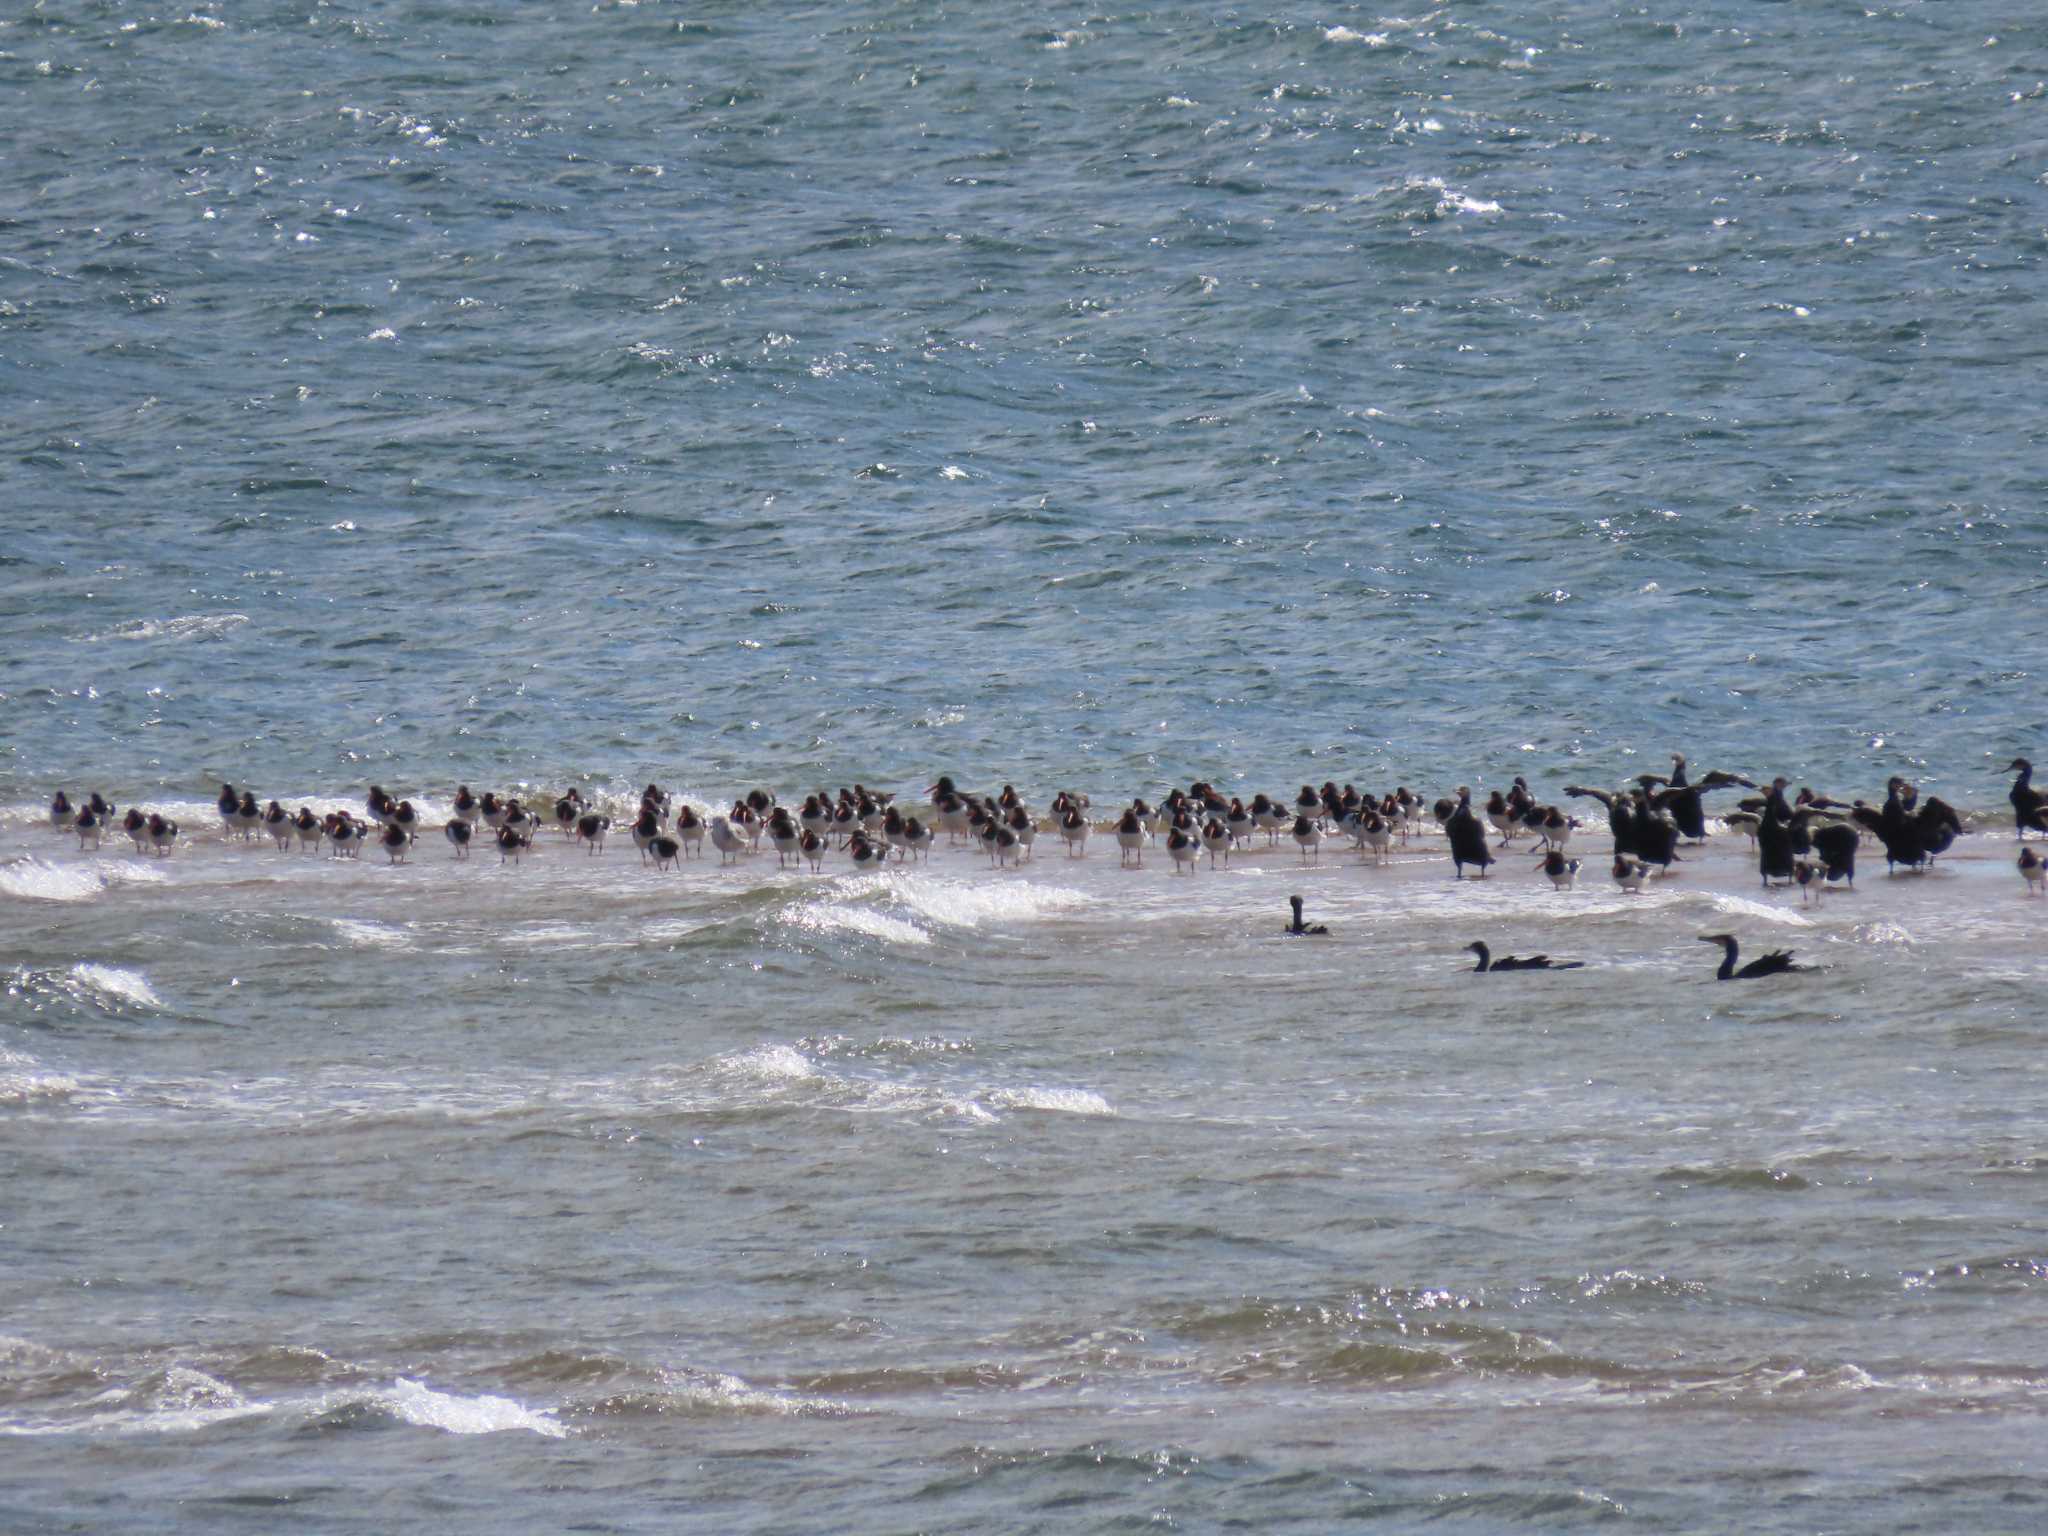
1521, 963
1298, 926
1767, 965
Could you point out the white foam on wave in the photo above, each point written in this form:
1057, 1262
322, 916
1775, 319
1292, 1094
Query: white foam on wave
1055, 1100
957, 904
839, 917
24, 1081
33, 880
182, 1399
419, 1404
130, 870
366, 935
113, 984
1756, 911
769, 1064
1061, 1101
176, 1401
1343, 34
721, 1392
191, 626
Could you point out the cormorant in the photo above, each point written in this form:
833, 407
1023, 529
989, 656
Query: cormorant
1656, 836
1298, 926
1911, 835
2029, 805
1522, 963
1768, 965
1467, 837
1681, 801
1621, 816
1774, 843
1835, 842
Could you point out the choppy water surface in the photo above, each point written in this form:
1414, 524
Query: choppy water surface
733, 397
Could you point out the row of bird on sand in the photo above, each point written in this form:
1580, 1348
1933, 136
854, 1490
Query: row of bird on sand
1807, 838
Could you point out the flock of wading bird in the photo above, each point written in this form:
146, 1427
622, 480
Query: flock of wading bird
1808, 839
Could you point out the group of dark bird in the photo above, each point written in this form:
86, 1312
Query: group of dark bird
1807, 838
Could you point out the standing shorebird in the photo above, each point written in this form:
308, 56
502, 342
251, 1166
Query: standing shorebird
1130, 839
730, 844
1308, 837
1563, 873
1629, 873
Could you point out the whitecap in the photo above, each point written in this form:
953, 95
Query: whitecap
24, 1081
36, 881
1756, 911
191, 626
835, 917
180, 1399
770, 1063
418, 1404
112, 984
362, 935
957, 904
722, 1392
1063, 1101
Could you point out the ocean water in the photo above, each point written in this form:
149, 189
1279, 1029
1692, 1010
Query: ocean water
426, 394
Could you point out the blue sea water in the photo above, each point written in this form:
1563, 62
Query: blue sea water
730, 395
900, 386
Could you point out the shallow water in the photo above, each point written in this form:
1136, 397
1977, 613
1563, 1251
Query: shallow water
421, 394
954, 1195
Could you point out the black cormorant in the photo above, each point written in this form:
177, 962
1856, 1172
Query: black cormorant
1767, 965
1621, 816
1467, 837
2029, 805
1298, 926
1521, 963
